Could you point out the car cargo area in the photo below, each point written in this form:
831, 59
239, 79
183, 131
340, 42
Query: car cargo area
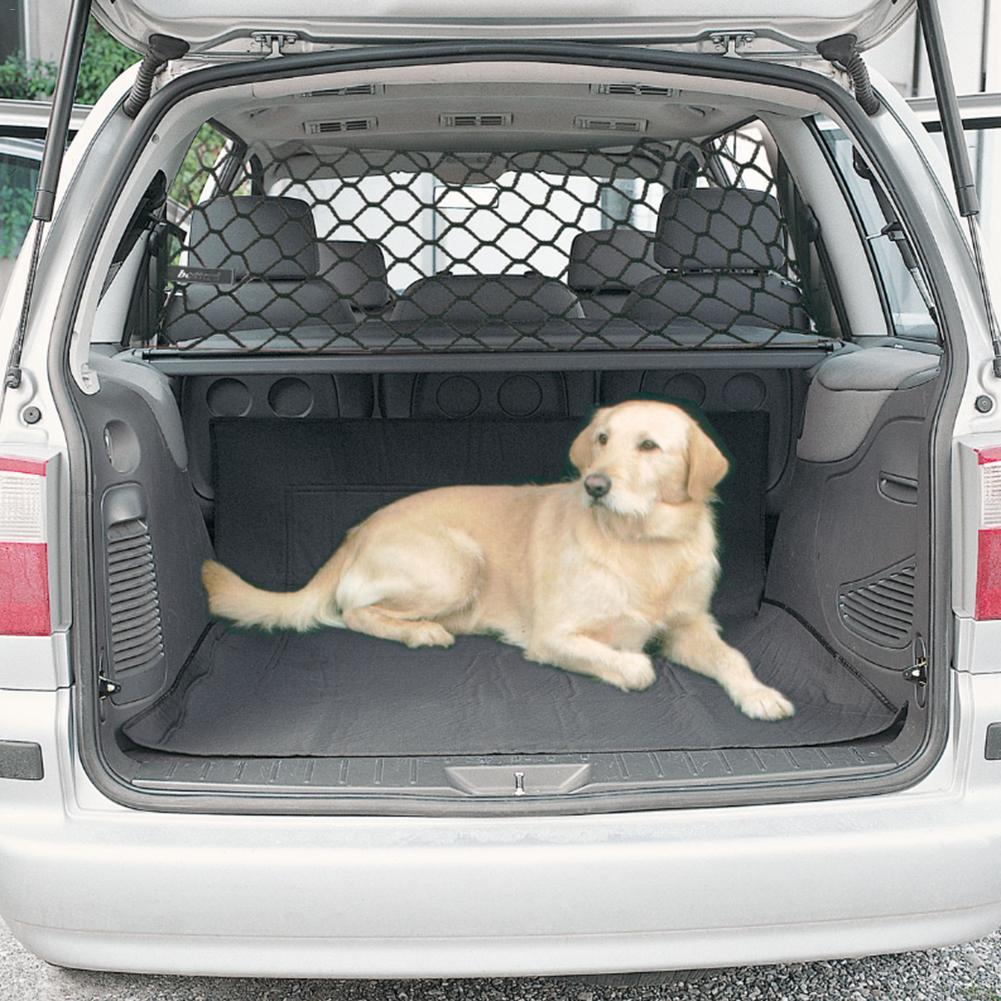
310, 324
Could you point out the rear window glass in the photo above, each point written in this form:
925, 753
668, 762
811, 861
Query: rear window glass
905, 292
486, 215
634, 244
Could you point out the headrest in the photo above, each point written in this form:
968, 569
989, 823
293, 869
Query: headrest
611, 260
719, 229
479, 298
256, 235
356, 270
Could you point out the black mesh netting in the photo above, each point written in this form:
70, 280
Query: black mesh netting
384, 250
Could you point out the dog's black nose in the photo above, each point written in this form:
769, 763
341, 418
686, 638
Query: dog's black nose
597, 485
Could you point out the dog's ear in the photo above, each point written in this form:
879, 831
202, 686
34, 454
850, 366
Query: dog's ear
582, 449
706, 464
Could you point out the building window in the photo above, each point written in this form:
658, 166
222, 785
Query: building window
11, 28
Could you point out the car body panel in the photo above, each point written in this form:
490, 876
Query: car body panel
228, 28
88, 883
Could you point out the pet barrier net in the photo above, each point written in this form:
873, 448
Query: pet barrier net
342, 249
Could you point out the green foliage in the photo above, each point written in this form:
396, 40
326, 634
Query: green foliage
30, 80
17, 194
26, 80
203, 152
103, 59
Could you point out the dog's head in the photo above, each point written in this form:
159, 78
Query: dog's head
638, 454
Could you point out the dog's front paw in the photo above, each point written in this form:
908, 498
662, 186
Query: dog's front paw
428, 634
632, 672
762, 702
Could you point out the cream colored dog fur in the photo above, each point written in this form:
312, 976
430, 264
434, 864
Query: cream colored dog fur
577, 575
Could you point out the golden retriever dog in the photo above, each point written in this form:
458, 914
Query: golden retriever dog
581, 575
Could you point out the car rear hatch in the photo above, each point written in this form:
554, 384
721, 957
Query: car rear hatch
764, 29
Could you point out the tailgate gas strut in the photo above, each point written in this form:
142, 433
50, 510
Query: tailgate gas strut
959, 155
52, 160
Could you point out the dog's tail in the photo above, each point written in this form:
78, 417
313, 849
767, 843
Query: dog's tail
231, 597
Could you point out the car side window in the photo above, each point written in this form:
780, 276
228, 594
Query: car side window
19, 161
908, 301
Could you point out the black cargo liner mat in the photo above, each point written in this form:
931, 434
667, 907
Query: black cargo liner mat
285, 493
337, 693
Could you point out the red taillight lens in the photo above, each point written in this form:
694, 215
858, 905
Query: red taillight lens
24, 557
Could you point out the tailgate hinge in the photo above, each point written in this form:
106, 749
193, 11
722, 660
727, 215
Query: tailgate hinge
274, 43
729, 43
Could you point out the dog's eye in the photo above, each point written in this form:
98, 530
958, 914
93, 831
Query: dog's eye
646, 445
602, 438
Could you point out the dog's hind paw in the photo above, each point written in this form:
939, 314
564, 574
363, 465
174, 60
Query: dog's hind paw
762, 702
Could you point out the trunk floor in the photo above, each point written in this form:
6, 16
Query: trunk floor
337, 693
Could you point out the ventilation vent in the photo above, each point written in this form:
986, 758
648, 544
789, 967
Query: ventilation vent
634, 125
340, 125
136, 633
474, 121
634, 90
880, 609
358, 90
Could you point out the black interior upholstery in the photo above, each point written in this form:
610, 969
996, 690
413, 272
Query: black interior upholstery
287, 491
607, 264
459, 395
357, 270
475, 298
723, 254
269, 245
313, 479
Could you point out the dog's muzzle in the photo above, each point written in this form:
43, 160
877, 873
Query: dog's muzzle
597, 485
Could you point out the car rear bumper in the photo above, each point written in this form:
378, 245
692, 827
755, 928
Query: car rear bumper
87, 883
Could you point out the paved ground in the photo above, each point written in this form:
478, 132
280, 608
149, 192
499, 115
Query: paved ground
963, 973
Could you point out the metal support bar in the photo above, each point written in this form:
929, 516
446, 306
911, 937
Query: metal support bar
948, 106
51, 165
62, 108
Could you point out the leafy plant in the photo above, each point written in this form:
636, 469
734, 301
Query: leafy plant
26, 79
103, 59
15, 215
196, 168
35, 79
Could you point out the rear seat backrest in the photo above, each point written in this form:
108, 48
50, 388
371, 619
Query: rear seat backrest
606, 265
357, 271
269, 243
478, 299
721, 249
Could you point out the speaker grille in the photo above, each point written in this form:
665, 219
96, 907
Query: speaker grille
136, 630
880, 609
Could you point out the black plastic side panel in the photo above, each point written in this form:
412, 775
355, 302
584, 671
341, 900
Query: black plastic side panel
150, 542
204, 397
487, 394
851, 555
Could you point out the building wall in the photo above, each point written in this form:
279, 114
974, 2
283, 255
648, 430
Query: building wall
964, 24
45, 24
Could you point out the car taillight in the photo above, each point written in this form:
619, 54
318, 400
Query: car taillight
25, 512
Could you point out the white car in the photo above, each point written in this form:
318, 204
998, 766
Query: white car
418, 246
23, 125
